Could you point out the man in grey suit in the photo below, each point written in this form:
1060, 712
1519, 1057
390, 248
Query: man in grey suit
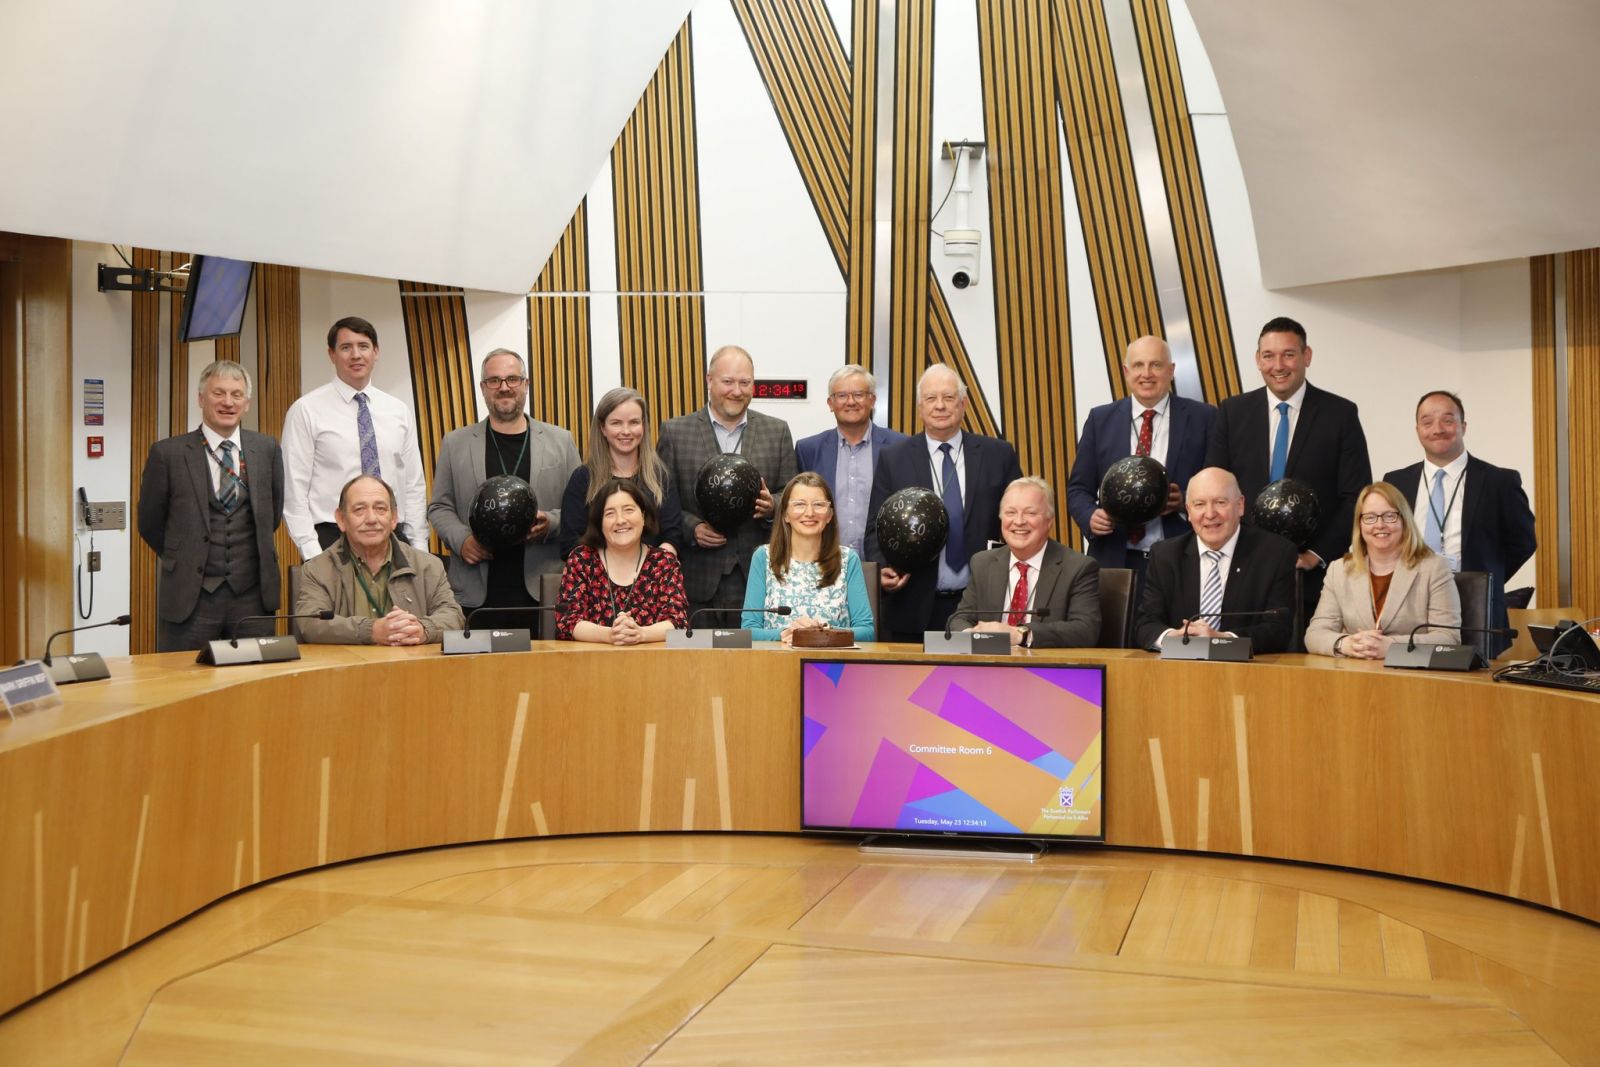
209, 502
1032, 573
506, 442
715, 567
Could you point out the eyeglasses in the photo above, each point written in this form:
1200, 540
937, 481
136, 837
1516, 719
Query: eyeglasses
819, 507
1372, 518
512, 380
854, 397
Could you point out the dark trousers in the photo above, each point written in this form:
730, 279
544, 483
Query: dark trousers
213, 619
729, 594
944, 605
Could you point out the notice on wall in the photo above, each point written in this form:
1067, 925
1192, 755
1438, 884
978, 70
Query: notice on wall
94, 401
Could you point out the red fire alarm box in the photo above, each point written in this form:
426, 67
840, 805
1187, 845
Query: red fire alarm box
97, 447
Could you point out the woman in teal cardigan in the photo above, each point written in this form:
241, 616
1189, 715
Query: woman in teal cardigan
805, 568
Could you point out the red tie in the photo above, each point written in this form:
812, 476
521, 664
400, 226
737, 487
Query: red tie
1019, 598
1136, 531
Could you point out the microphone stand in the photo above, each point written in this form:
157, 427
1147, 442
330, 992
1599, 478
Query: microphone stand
270, 649
719, 638
1181, 644
79, 667
1441, 656
474, 639
953, 642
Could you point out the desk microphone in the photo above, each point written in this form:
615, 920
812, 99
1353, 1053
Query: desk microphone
781, 609
120, 620
326, 615
1032, 613
83, 667
1501, 631
1267, 613
510, 618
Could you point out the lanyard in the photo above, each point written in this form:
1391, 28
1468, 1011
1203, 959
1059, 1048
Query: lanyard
238, 450
936, 469
495, 440
612, 588
378, 610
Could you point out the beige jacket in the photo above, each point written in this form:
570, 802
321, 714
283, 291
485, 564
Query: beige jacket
416, 584
1424, 594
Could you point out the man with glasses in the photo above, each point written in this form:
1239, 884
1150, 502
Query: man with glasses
507, 441
345, 428
715, 567
1032, 573
845, 455
969, 472
1472, 512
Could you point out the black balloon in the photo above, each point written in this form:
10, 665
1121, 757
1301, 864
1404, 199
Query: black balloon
503, 512
1288, 508
912, 526
726, 488
1134, 490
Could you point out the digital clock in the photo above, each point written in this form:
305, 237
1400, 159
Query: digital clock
780, 389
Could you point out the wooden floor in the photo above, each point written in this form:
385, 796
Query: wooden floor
725, 949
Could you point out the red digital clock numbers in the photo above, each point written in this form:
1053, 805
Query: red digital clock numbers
780, 389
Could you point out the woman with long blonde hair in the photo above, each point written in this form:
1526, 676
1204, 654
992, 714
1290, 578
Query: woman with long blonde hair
620, 447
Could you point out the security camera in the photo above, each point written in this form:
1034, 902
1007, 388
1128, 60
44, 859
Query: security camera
963, 248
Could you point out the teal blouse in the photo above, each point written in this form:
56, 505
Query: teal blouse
842, 605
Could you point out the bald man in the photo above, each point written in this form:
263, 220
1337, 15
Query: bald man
1151, 421
1218, 569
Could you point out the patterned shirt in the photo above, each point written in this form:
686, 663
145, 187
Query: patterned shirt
590, 595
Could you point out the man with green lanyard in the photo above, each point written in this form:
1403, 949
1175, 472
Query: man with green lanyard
381, 590
506, 442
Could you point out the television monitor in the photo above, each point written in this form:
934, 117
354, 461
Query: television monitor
214, 299
939, 749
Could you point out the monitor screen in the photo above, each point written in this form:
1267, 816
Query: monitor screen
971, 749
214, 299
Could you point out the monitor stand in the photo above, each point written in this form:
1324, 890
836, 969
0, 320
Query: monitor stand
955, 848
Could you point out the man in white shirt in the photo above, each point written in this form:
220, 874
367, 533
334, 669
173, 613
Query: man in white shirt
345, 428
1032, 574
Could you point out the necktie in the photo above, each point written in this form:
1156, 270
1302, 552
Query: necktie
1146, 432
1280, 443
1211, 595
369, 438
230, 490
1433, 529
955, 545
1019, 598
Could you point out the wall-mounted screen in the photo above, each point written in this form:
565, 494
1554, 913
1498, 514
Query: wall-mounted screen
214, 299
947, 749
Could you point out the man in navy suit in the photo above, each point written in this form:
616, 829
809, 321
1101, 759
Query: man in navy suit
970, 473
1151, 421
1291, 429
1471, 512
845, 456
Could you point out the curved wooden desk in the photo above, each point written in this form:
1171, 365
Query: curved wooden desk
149, 795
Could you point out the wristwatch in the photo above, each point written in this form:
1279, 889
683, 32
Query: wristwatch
1027, 635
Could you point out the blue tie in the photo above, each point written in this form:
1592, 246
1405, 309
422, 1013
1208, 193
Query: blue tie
368, 438
955, 546
1280, 443
1433, 530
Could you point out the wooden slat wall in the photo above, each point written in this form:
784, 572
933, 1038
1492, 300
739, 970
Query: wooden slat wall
36, 515
1186, 199
921, 329
442, 374
145, 429
560, 356
177, 360
1546, 512
863, 181
1583, 423
1028, 235
1102, 172
656, 187
278, 376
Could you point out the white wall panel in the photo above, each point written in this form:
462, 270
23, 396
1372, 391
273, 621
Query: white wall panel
325, 298
494, 320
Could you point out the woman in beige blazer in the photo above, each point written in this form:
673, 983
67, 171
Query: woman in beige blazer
1389, 582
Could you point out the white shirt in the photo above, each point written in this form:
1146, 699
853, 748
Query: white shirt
1454, 471
322, 451
950, 580
1295, 402
1224, 567
1159, 437
214, 452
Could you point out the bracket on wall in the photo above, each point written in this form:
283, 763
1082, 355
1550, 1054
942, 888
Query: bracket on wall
141, 280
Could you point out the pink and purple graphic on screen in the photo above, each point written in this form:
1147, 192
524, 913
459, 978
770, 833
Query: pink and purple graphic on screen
972, 749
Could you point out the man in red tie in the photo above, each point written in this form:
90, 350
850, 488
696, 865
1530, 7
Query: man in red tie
1039, 591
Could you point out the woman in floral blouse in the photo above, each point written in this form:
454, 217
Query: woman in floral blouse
617, 589
807, 569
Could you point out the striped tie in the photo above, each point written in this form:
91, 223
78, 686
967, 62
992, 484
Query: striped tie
1211, 595
230, 490
369, 438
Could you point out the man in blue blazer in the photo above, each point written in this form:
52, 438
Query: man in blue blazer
1176, 438
1471, 512
845, 456
970, 473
